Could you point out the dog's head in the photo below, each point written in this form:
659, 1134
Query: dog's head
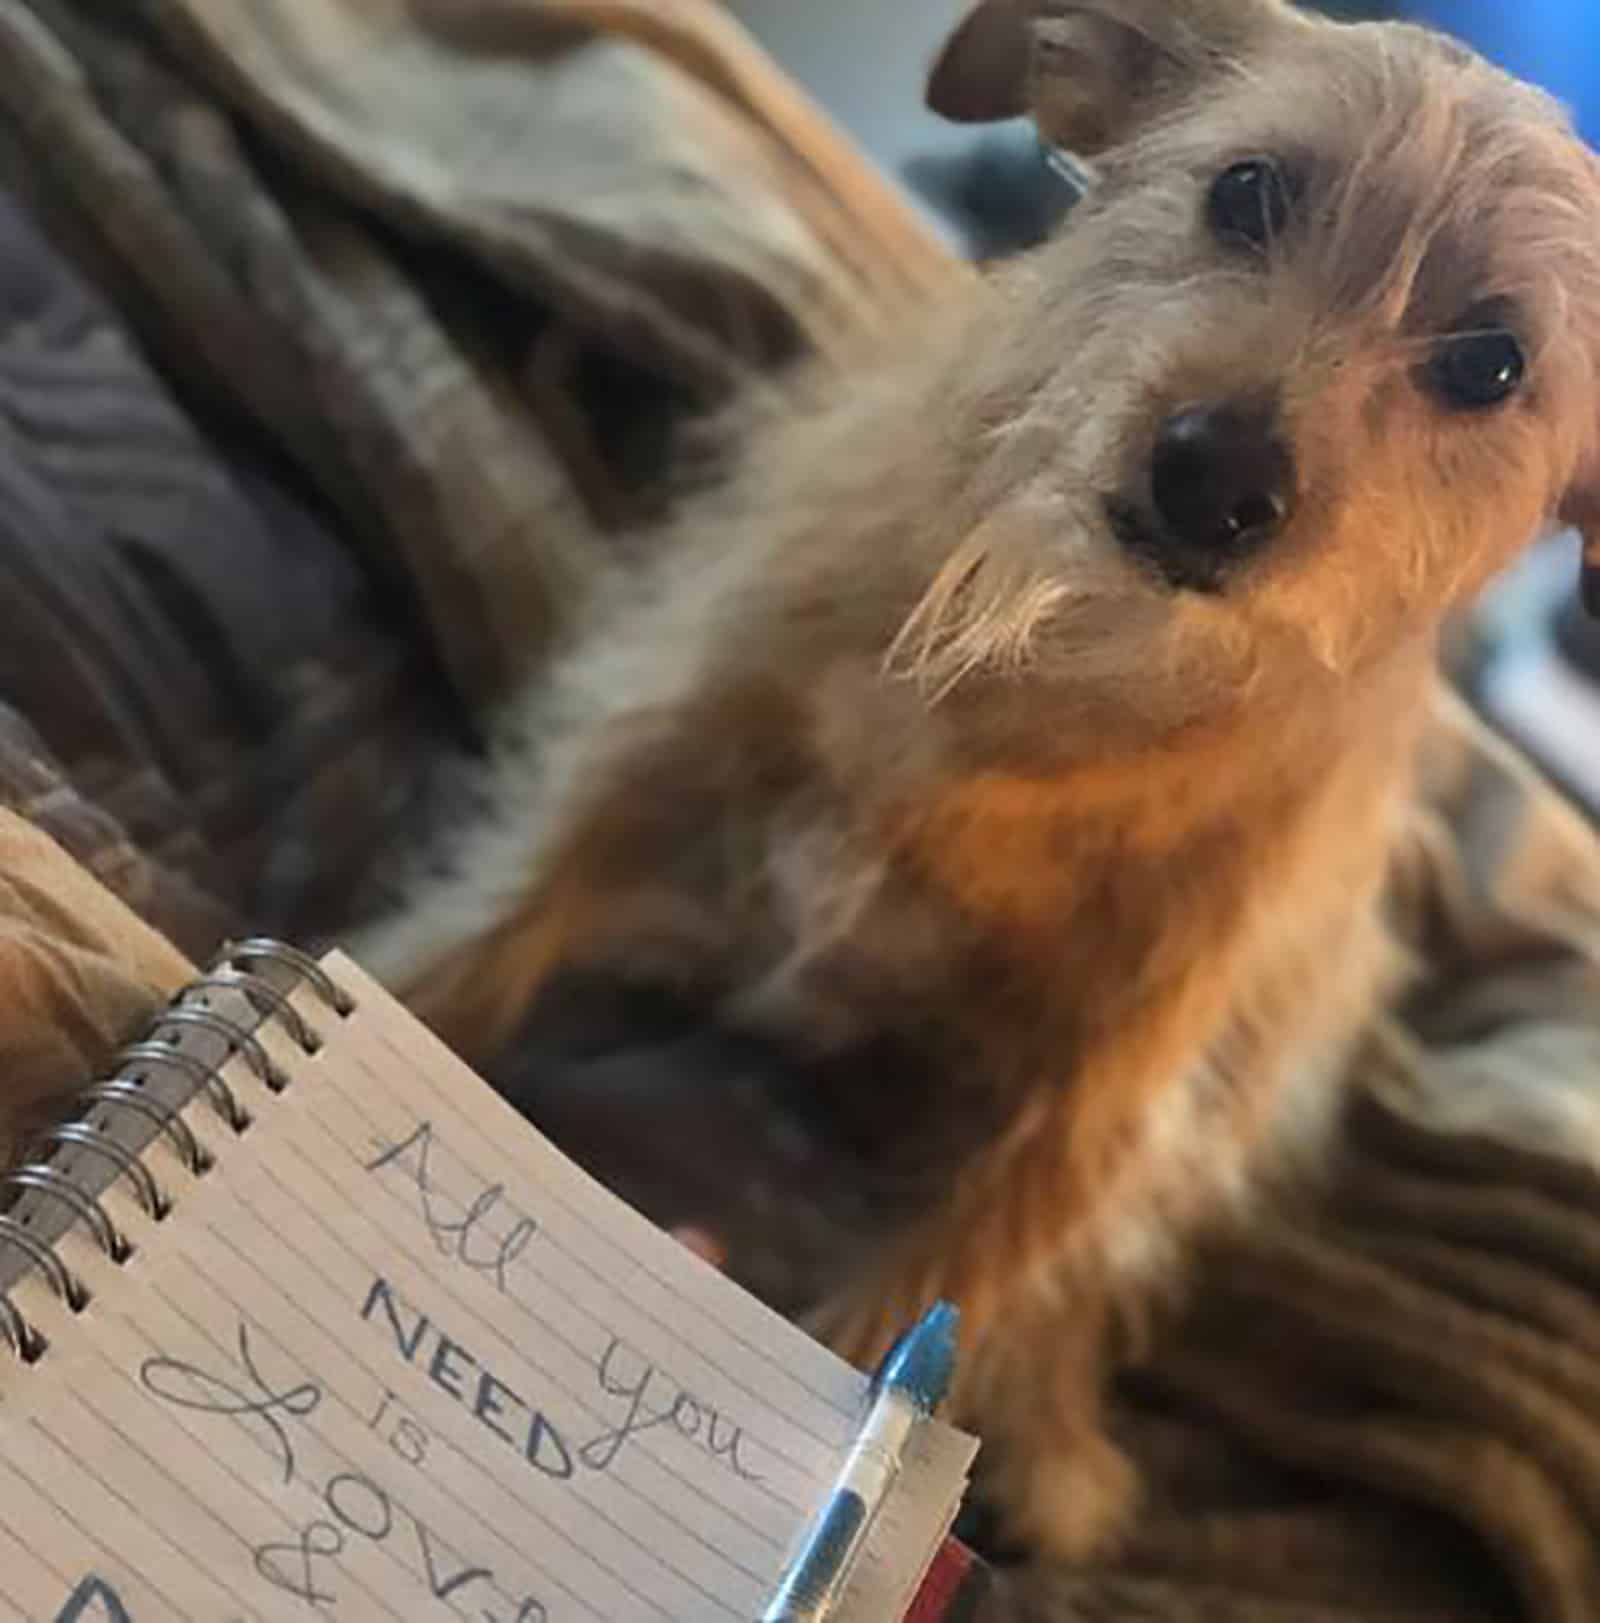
1317, 354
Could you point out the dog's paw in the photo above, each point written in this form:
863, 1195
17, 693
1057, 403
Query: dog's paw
1071, 1503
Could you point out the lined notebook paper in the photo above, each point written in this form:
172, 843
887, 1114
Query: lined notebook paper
393, 1356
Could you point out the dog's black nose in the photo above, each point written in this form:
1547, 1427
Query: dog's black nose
1222, 477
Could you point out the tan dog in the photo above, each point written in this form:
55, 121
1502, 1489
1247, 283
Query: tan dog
1017, 745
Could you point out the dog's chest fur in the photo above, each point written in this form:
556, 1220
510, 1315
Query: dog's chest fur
1114, 971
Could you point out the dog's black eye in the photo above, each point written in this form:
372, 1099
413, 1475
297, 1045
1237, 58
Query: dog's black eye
1475, 370
1250, 202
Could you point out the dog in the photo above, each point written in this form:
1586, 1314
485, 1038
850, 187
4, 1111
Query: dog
1015, 745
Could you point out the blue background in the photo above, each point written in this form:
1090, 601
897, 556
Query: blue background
1551, 42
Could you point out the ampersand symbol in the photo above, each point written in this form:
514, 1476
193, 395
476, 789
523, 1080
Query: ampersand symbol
301, 1556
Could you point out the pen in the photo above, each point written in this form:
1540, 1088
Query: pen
908, 1387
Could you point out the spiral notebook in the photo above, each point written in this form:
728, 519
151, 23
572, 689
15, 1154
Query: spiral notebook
307, 1323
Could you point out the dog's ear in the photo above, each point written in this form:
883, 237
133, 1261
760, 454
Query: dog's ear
1089, 71
981, 72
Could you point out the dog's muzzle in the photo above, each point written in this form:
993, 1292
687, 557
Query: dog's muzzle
1222, 484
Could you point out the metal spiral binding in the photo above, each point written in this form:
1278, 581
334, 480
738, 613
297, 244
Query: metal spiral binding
125, 1095
264, 950
154, 1054
18, 1334
43, 1177
151, 1195
62, 1282
265, 996
239, 1038
258, 975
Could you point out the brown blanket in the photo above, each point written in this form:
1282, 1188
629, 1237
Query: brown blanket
397, 311
448, 276
197, 644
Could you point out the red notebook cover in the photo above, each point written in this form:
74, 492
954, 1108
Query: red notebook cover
951, 1591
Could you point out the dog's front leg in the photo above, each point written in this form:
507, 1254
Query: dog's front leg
1030, 1380
1054, 1234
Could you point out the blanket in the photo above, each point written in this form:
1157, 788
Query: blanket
387, 321
188, 630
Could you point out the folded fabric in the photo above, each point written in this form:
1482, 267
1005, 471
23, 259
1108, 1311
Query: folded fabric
200, 651
79, 976
426, 249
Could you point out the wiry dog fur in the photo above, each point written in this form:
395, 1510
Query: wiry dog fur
905, 761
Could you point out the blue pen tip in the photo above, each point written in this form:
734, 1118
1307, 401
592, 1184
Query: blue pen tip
921, 1363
